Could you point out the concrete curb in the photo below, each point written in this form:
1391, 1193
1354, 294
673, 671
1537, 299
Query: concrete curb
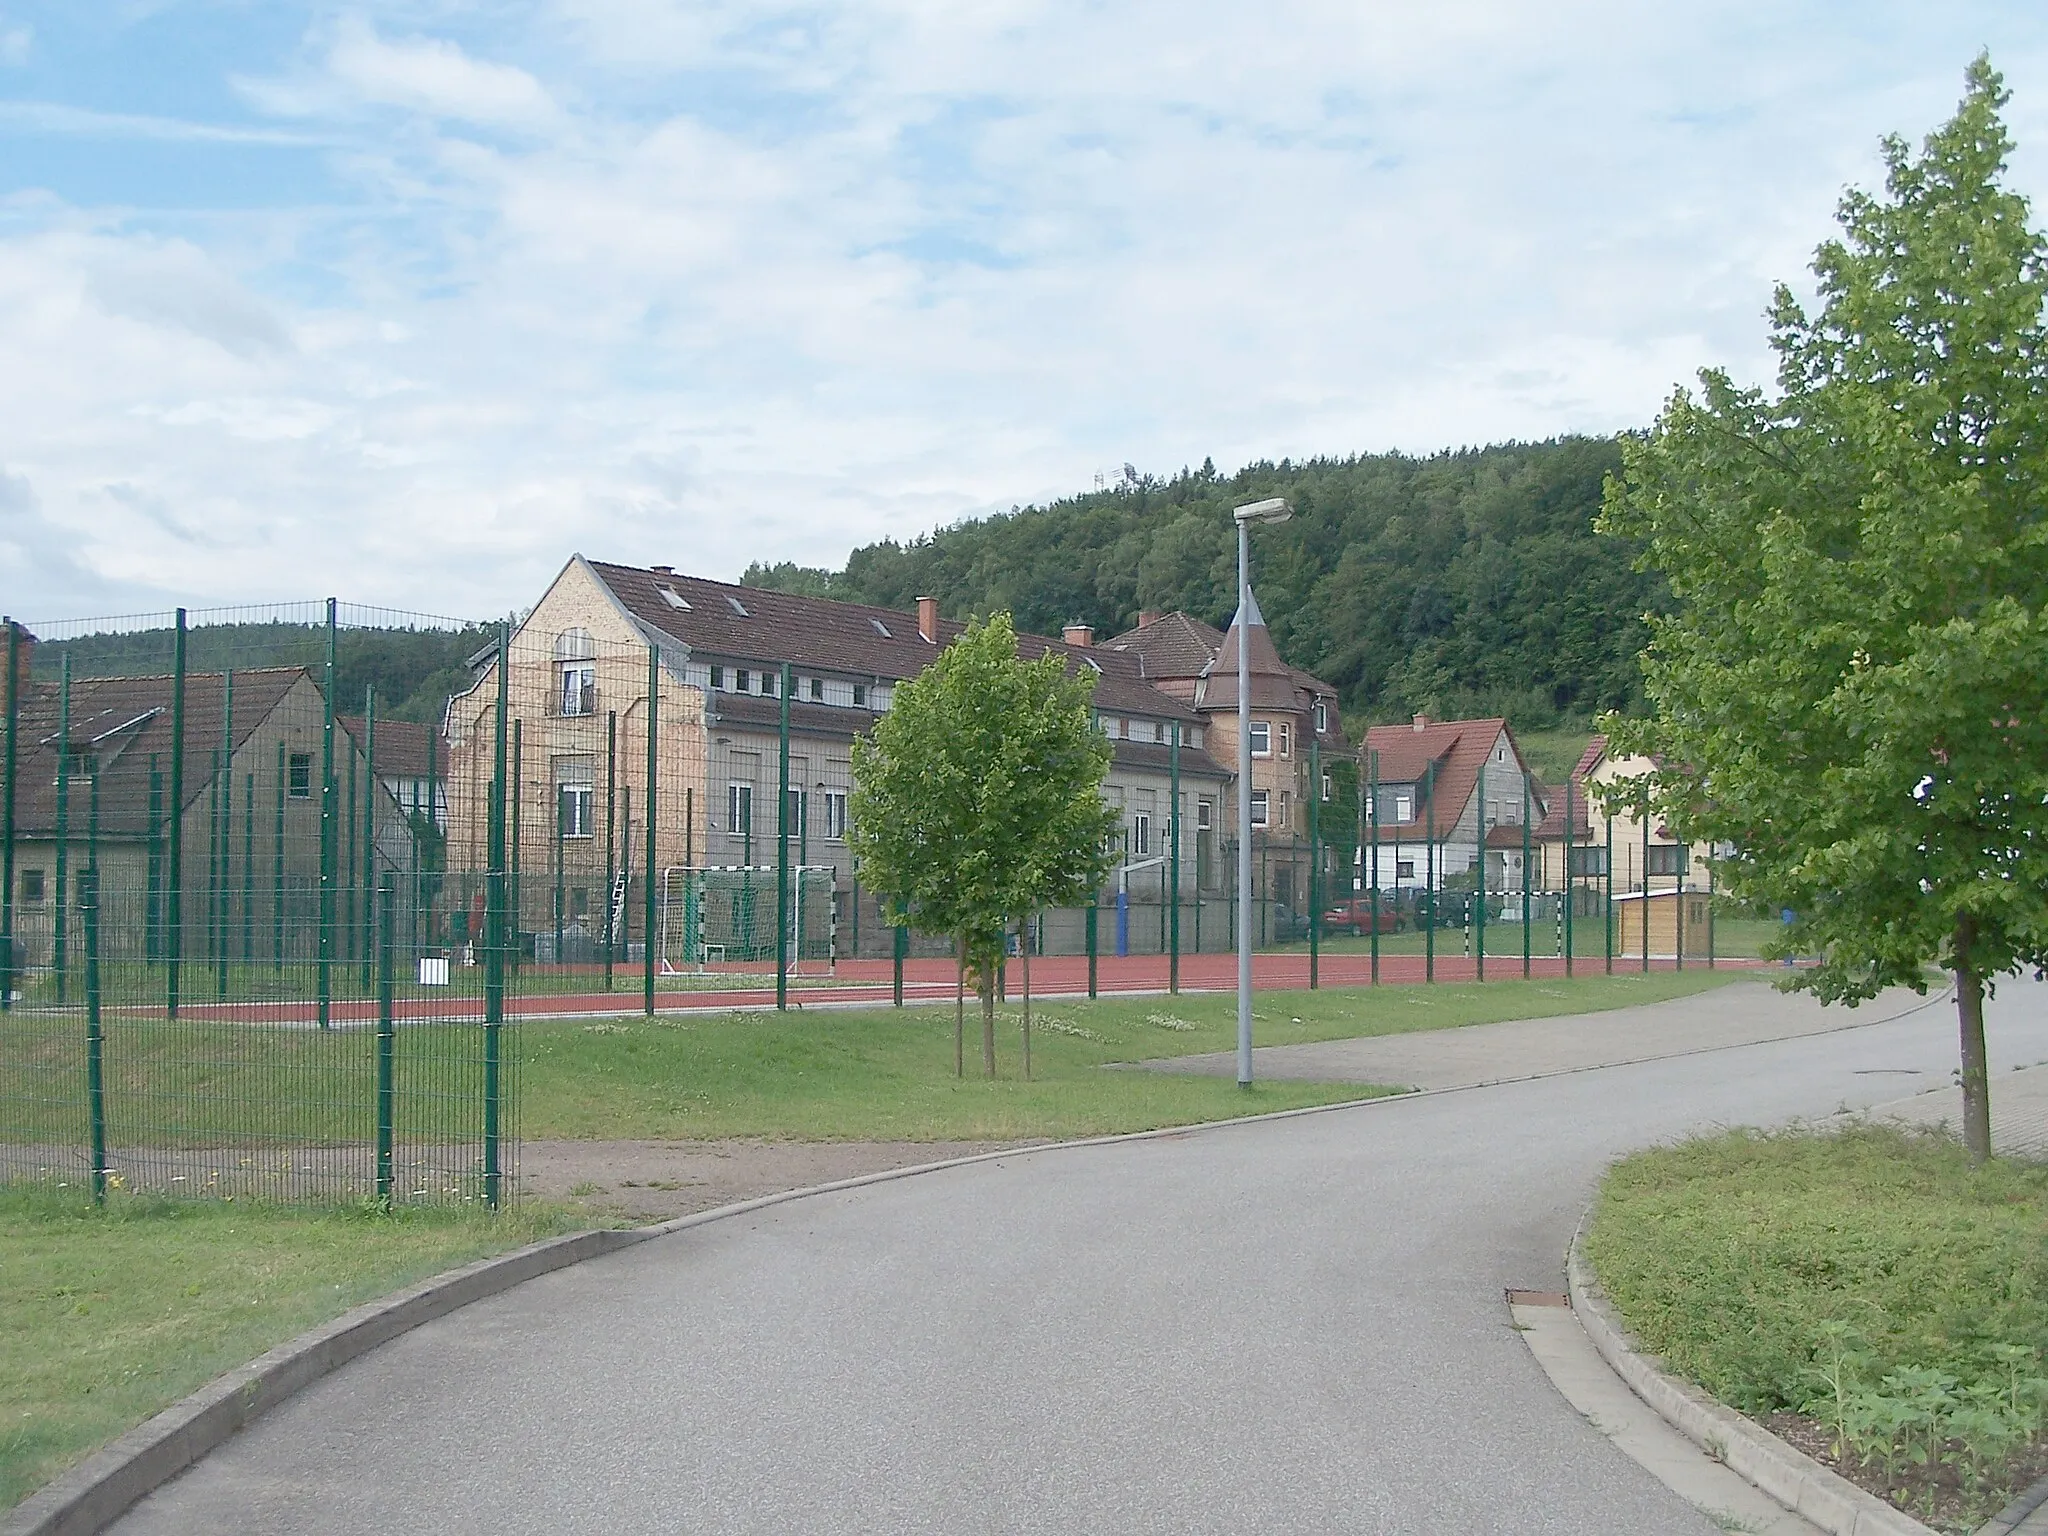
2026, 1515
1788, 1475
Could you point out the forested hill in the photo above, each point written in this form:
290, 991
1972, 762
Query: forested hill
1469, 582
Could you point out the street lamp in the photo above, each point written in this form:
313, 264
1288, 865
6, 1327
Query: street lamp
1273, 510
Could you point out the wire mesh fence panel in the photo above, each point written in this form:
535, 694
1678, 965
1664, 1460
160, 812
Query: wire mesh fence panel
226, 929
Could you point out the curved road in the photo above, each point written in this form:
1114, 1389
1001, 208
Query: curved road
1288, 1326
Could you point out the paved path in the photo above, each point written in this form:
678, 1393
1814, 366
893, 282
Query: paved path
1746, 1013
1288, 1326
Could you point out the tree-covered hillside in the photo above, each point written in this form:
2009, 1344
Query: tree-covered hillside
1468, 582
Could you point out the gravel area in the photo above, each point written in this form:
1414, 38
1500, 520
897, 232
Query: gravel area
655, 1180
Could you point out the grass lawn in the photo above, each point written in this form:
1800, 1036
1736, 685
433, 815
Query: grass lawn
108, 1316
1867, 1293
886, 1074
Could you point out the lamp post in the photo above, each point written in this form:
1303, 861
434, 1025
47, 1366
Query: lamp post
1272, 510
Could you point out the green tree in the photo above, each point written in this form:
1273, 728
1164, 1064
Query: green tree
1853, 690
977, 799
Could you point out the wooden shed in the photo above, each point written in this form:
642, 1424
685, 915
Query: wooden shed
1676, 922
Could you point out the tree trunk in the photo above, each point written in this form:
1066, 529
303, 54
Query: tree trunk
1024, 954
988, 1021
960, 1013
1976, 1075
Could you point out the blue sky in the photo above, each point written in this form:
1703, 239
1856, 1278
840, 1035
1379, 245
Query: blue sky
408, 302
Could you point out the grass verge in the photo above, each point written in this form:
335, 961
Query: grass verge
108, 1316
1865, 1293
887, 1074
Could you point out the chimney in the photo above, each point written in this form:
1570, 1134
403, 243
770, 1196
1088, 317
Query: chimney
928, 619
1422, 722
25, 658
1078, 634
662, 570
1147, 617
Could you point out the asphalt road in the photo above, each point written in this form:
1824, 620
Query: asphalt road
1288, 1326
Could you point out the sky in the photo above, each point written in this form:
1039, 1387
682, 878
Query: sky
407, 303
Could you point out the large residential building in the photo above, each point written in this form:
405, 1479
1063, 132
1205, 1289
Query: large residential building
1291, 711
1440, 791
606, 639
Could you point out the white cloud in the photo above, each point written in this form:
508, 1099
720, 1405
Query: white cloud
437, 77
766, 281
15, 43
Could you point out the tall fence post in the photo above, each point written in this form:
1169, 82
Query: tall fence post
224, 902
782, 847
1173, 832
1571, 890
277, 869
1607, 905
515, 819
95, 1067
7, 966
612, 901
369, 825
329, 828
60, 958
1430, 882
174, 812
1315, 857
1479, 906
494, 924
248, 871
385, 920
649, 814
1372, 759
1094, 939
1645, 814
1528, 879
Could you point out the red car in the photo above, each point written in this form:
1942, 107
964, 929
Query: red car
1355, 916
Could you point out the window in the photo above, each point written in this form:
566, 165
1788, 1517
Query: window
1589, 861
1404, 869
818, 688
742, 680
796, 807
1666, 859
1285, 743
1404, 807
860, 695
1286, 805
739, 809
1322, 721
299, 776
673, 598
80, 761
1326, 787
1141, 834
1262, 739
835, 813
31, 885
881, 629
718, 677
1258, 807
771, 684
1205, 815
738, 607
579, 690
572, 805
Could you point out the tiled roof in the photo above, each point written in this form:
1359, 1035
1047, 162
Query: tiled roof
1551, 828
1273, 682
1172, 645
133, 715
854, 639
1457, 748
401, 746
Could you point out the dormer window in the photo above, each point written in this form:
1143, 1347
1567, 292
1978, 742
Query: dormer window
818, 688
1322, 721
860, 695
742, 680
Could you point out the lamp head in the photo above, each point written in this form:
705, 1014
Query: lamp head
1274, 509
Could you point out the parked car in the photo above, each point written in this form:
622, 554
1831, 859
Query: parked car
1355, 916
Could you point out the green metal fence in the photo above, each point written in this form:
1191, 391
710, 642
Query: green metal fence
226, 912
